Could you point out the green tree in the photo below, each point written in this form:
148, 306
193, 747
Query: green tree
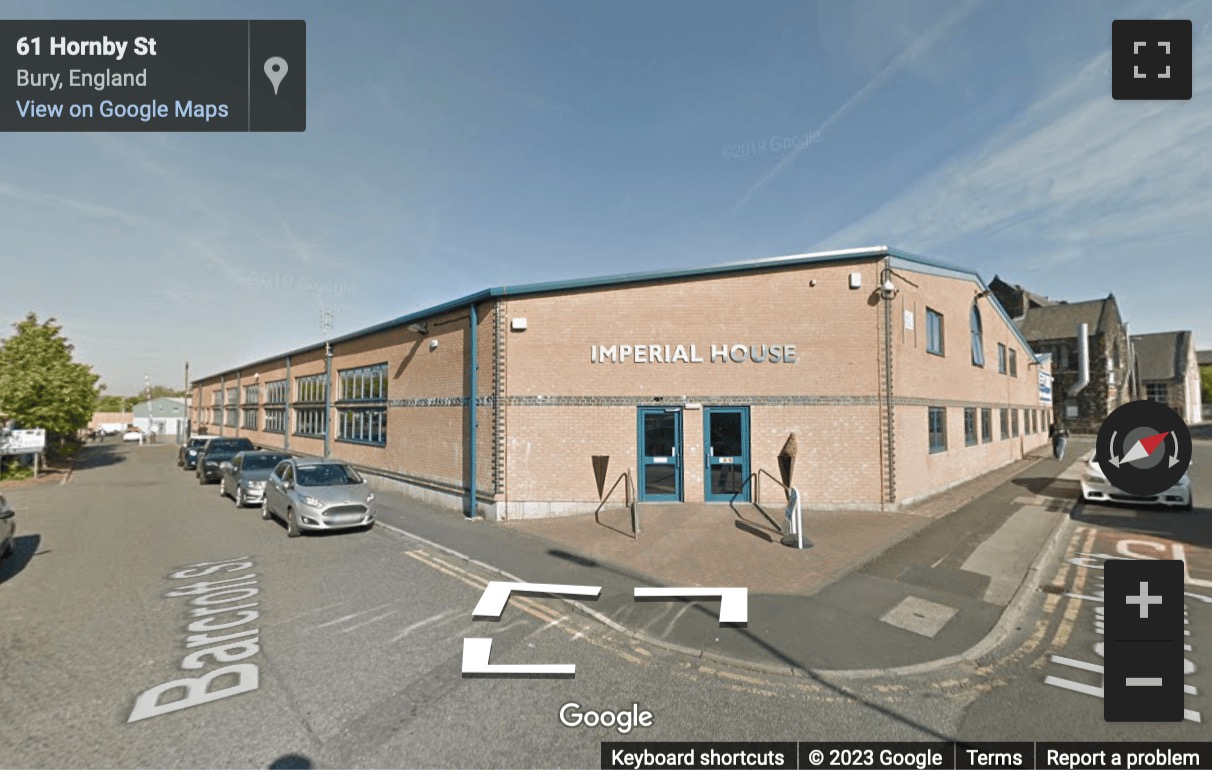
1205, 379
40, 385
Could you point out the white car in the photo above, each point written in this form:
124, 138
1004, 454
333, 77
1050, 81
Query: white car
1096, 489
134, 434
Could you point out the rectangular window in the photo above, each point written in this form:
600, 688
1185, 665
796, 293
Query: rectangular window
1014, 422
216, 416
934, 332
218, 398
275, 420
1001, 358
986, 425
1013, 362
233, 395
1157, 391
368, 383
938, 429
250, 418
233, 415
312, 389
310, 421
970, 426
252, 394
365, 426
1034, 423
275, 392
1005, 423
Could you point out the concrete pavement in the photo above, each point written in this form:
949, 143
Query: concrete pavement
878, 590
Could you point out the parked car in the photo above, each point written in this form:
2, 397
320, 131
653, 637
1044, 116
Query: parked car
187, 455
110, 429
132, 434
313, 495
8, 528
218, 450
244, 476
1096, 489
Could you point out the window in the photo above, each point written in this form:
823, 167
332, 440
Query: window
233, 395
252, 394
970, 426
218, 401
250, 418
232, 416
275, 392
312, 389
934, 332
367, 426
216, 416
275, 420
1005, 423
938, 429
310, 421
364, 423
986, 425
978, 344
366, 384
1001, 358
1157, 391
1014, 422
1064, 356
1034, 424
1013, 362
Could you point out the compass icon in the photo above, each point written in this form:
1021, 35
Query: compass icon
1143, 448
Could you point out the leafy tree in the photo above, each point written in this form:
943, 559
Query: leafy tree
111, 403
40, 385
1205, 379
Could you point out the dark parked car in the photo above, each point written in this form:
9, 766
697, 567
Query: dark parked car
187, 455
312, 494
8, 530
245, 475
217, 451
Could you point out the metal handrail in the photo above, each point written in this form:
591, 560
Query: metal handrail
631, 500
757, 496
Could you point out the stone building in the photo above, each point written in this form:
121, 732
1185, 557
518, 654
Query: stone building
1168, 372
1051, 328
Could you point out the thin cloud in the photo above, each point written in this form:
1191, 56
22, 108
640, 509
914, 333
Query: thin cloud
896, 66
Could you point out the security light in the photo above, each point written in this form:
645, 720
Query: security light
888, 289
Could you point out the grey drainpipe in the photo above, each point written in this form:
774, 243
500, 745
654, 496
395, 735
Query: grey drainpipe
223, 401
1083, 364
239, 403
473, 368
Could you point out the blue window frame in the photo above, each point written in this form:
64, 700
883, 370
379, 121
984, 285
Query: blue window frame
934, 332
310, 421
363, 425
275, 420
1001, 358
978, 343
312, 389
938, 429
970, 426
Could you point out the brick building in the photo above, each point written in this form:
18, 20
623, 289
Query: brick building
898, 377
1168, 372
1050, 326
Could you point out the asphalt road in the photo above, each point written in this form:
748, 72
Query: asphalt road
358, 646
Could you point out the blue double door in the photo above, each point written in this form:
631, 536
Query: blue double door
662, 459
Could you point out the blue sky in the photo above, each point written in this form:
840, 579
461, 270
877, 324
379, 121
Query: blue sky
453, 146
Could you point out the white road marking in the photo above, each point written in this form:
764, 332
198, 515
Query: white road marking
348, 617
367, 623
421, 623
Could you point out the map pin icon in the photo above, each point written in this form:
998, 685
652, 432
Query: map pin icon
275, 70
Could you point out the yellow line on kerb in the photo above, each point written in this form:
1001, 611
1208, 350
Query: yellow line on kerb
1065, 629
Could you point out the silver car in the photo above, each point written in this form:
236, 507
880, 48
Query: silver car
244, 476
314, 494
8, 530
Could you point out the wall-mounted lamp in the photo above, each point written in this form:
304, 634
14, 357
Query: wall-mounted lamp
888, 290
256, 375
983, 294
433, 344
421, 327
